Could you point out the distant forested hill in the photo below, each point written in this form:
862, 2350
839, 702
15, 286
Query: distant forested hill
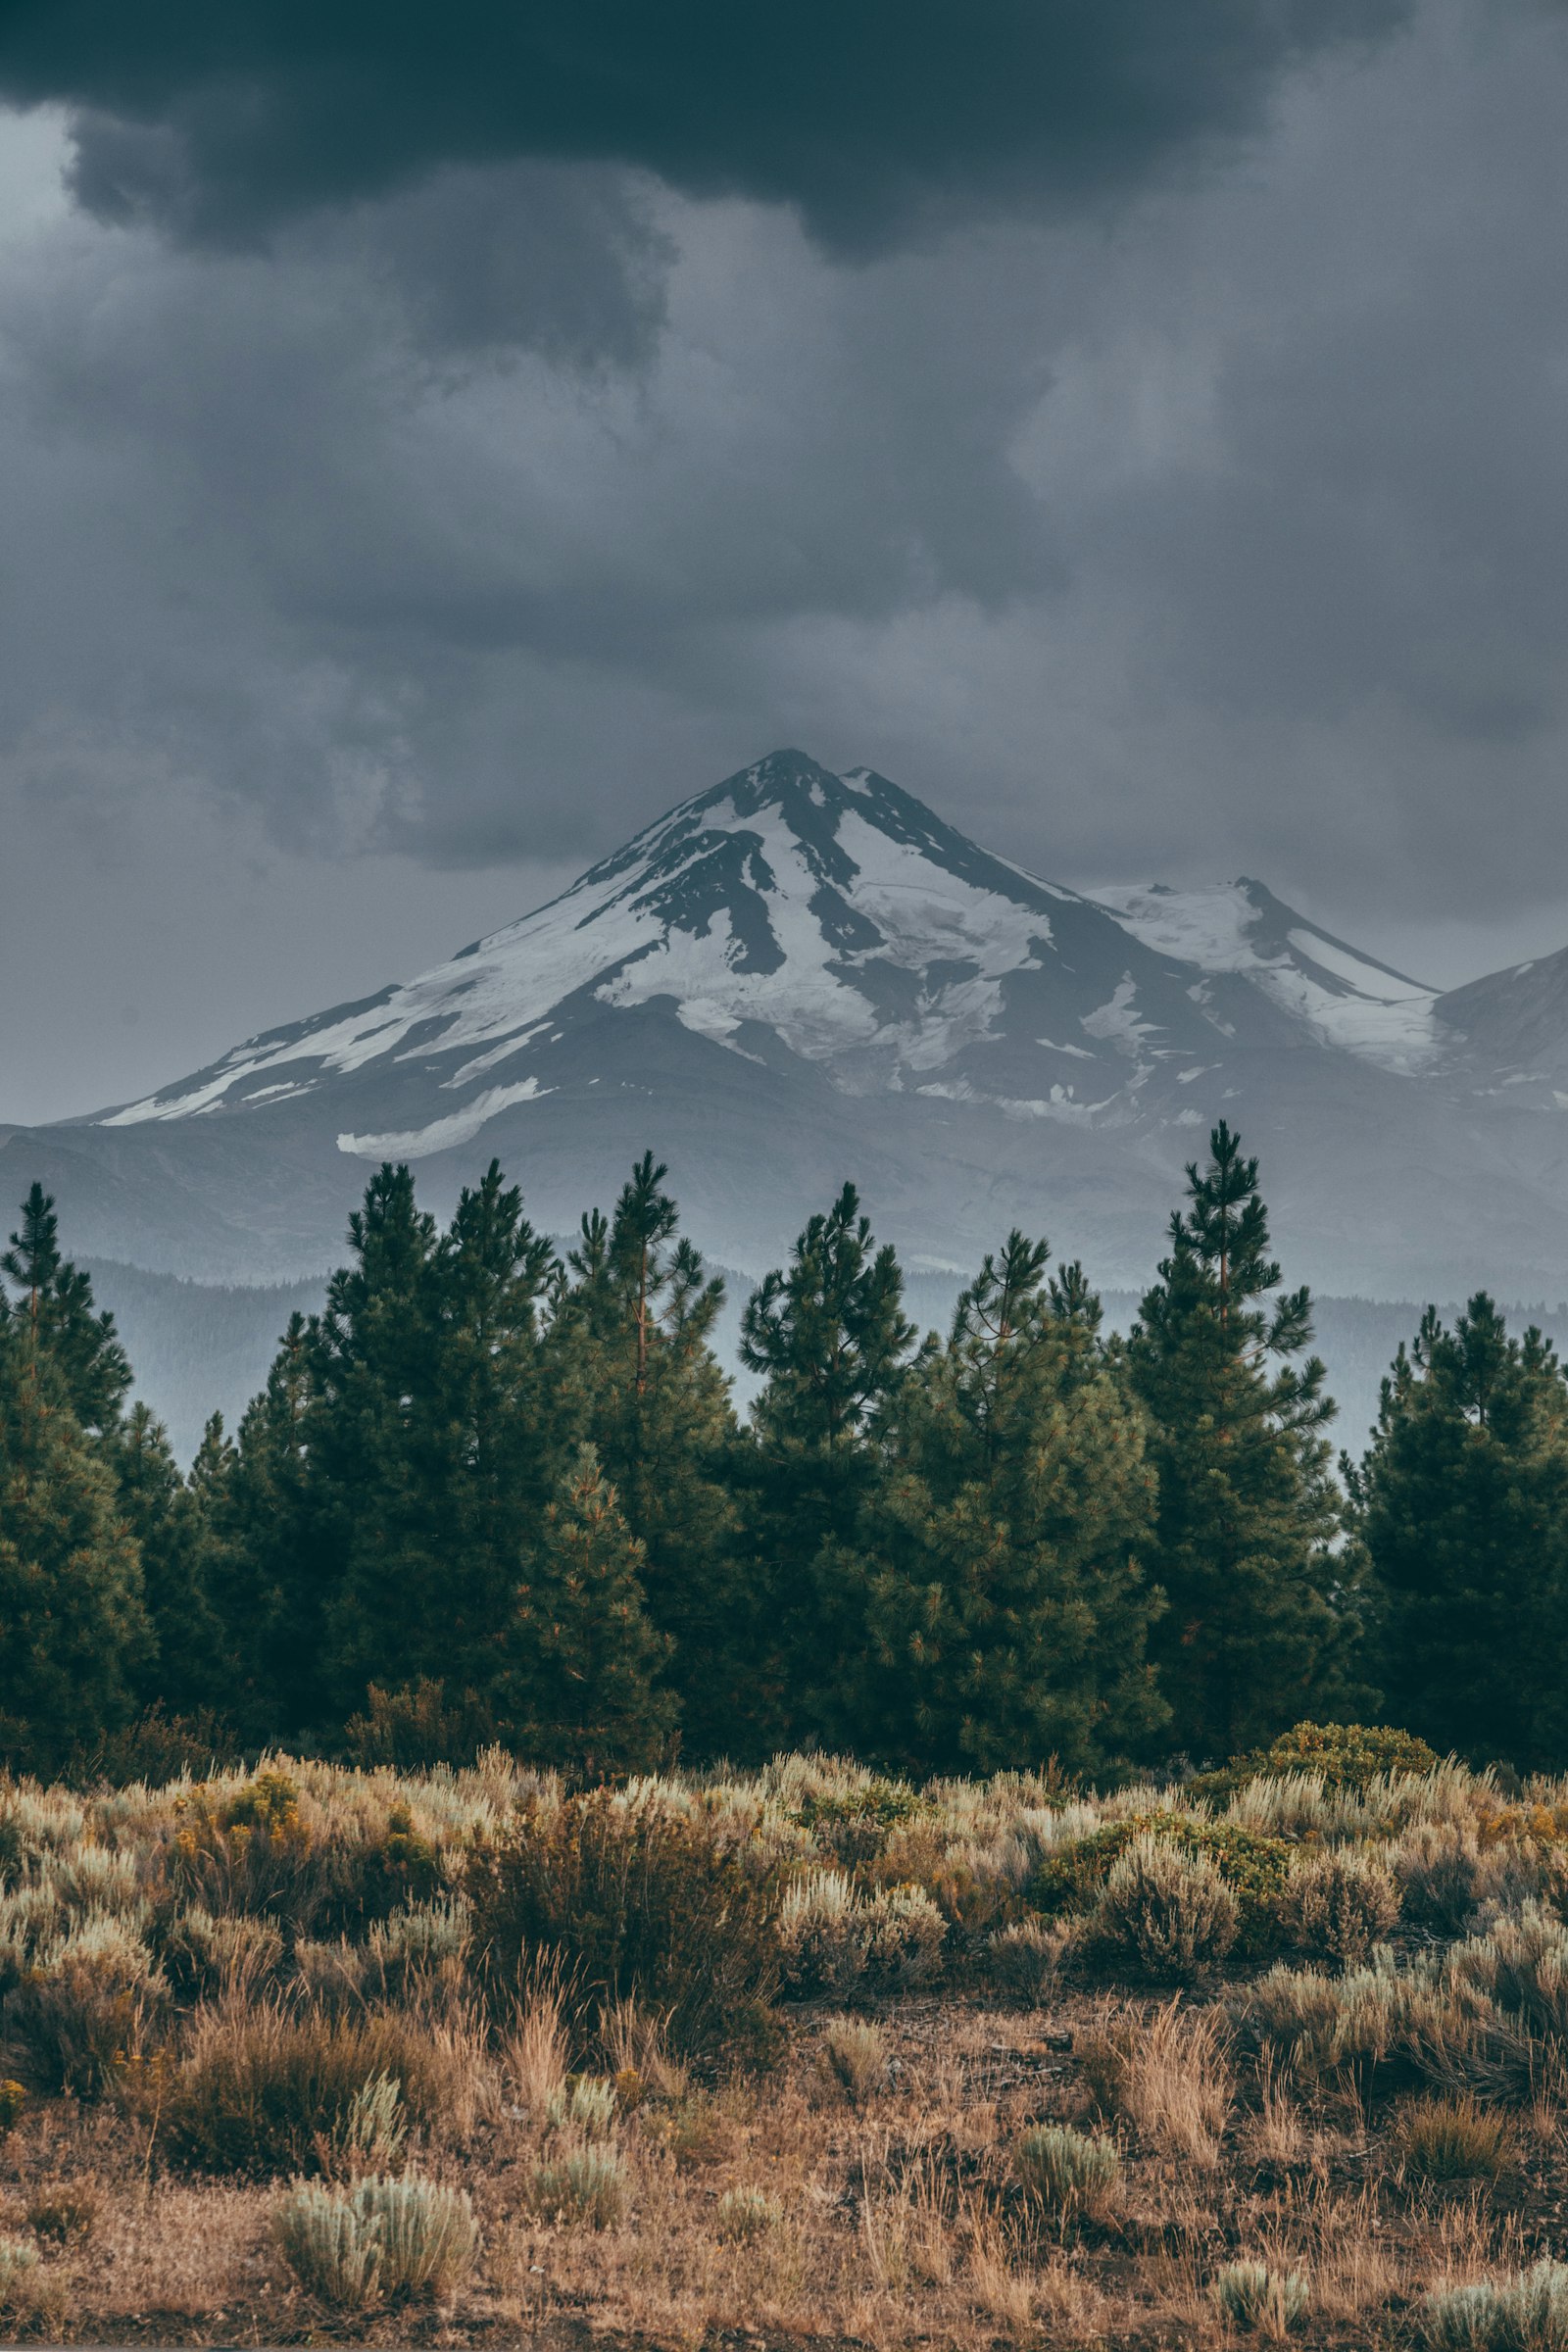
197, 1347
201, 1347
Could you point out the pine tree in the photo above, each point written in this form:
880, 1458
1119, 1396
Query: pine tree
578, 1680
73, 1632
1461, 1504
1005, 1611
186, 1670
268, 1560
635, 1372
57, 1305
830, 1336
1260, 1625
375, 1508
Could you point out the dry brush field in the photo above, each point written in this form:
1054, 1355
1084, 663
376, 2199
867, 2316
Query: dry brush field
302, 2054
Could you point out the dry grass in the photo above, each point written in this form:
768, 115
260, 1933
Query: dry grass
866, 2175
1168, 2073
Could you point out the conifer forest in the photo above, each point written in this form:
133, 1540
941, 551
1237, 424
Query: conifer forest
501, 1493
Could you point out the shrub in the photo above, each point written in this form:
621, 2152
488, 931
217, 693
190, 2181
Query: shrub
584, 2104
65, 2217
1336, 1905
86, 2000
13, 2100
1453, 2140
1528, 2313
1344, 1755
415, 1725
260, 1850
905, 1937
1069, 2170
18, 2262
1169, 1911
1025, 1961
1521, 1964
822, 1935
636, 1900
1381, 2022
1442, 1875
382, 2239
156, 1748
588, 2185
856, 2056
370, 2134
855, 1824
263, 2093
747, 2214
1251, 2295
233, 1954
1254, 1868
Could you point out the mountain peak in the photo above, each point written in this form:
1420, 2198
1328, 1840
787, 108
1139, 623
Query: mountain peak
804, 920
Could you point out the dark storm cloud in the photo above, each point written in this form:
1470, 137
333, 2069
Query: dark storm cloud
876, 119
478, 509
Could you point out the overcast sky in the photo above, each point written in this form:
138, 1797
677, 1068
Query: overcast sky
429, 446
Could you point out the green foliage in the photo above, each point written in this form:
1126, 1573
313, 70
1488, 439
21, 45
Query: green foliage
1261, 1617
638, 1901
579, 1682
1255, 1869
995, 1564
156, 1747
420, 1724
1461, 1504
853, 1823
55, 1319
185, 1666
255, 1850
1343, 1755
73, 1628
13, 2100
631, 1356
829, 1335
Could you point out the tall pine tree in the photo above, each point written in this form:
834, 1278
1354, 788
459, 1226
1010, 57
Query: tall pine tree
74, 1631
1461, 1504
580, 1664
1006, 1614
1261, 1626
830, 1337
637, 1378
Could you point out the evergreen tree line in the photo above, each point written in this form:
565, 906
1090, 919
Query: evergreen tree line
491, 1491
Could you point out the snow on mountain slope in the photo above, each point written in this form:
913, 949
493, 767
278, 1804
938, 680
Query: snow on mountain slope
1346, 997
839, 918
799, 976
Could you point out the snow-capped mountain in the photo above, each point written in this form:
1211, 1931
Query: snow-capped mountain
798, 976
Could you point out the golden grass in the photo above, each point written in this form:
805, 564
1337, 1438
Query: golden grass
864, 2186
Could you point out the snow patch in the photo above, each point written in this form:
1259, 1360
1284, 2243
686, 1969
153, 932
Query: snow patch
441, 1135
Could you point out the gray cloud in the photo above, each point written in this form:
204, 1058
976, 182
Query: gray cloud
874, 120
479, 517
